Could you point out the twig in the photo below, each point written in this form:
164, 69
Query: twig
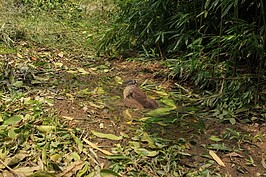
11, 170
180, 86
222, 87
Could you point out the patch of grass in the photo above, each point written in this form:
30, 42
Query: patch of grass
72, 26
6, 50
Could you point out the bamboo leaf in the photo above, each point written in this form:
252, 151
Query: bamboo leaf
216, 158
107, 136
96, 147
225, 12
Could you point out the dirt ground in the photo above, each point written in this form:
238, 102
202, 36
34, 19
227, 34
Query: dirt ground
249, 145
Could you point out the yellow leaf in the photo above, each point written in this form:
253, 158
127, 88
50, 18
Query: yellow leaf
55, 157
146, 152
96, 147
124, 135
107, 136
159, 112
216, 158
82, 71
72, 168
27, 171
58, 64
127, 114
147, 138
19, 55
61, 54
46, 128
169, 102
161, 93
95, 105
99, 90
94, 69
68, 118
118, 80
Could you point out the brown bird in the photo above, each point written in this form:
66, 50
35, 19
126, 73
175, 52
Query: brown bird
134, 97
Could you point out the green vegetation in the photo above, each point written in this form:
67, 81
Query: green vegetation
217, 45
69, 25
61, 106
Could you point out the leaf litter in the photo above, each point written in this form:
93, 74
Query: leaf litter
69, 120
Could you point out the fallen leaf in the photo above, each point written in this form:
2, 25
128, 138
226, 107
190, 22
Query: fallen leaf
118, 157
72, 169
72, 72
17, 158
55, 157
109, 173
78, 142
146, 138
159, 112
83, 71
75, 156
3, 153
95, 105
18, 84
61, 54
1, 118
83, 170
13, 120
118, 80
127, 115
263, 163
169, 102
68, 118
107, 136
216, 158
58, 64
19, 55
11, 133
146, 152
99, 91
215, 138
46, 128
106, 70
124, 135
27, 170
234, 154
96, 147
162, 93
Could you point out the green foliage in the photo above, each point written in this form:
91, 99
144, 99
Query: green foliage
73, 25
217, 45
41, 4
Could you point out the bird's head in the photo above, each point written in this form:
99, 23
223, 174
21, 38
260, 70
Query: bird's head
130, 82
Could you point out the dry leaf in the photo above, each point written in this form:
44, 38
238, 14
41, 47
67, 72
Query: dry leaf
27, 170
61, 54
234, 154
127, 115
263, 163
96, 147
17, 158
216, 158
95, 105
68, 118
72, 168
107, 136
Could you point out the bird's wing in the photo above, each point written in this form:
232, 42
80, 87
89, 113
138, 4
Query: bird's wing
137, 93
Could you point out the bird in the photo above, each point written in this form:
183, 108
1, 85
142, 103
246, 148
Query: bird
134, 97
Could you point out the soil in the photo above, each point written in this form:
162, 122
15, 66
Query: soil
251, 141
